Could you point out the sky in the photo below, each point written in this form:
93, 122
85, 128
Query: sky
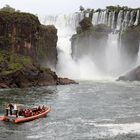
47, 7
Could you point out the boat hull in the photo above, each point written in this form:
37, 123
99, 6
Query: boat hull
21, 120
26, 119
2, 118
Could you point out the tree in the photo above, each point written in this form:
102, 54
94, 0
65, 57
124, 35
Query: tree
82, 8
86, 24
8, 8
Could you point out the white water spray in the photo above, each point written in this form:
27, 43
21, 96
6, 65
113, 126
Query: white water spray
85, 67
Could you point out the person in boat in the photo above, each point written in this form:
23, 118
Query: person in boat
15, 110
9, 108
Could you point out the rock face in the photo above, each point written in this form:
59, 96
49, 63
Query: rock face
18, 71
46, 46
91, 41
25, 47
23, 34
130, 44
133, 75
85, 24
32, 76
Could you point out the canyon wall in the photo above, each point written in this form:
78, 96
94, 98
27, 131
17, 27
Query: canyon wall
23, 34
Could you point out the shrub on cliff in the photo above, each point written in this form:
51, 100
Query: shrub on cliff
10, 62
86, 24
7, 8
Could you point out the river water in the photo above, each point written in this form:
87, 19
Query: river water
90, 110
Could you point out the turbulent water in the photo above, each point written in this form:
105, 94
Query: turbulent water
87, 111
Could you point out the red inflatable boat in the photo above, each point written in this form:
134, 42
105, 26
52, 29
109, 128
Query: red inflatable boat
23, 119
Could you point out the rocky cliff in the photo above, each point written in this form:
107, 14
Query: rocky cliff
130, 39
23, 34
25, 47
90, 41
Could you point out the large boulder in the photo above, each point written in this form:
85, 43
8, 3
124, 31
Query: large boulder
133, 75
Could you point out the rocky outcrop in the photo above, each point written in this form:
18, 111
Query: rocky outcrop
133, 75
130, 44
91, 42
32, 76
25, 47
23, 34
46, 46
18, 71
85, 24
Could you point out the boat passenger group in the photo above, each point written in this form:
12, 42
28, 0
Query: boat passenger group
14, 109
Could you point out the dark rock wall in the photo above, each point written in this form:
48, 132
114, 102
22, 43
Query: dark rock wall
46, 50
129, 48
92, 43
23, 34
133, 75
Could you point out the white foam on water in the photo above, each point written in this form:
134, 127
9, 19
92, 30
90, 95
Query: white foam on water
118, 129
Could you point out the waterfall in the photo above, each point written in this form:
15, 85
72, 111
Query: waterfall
113, 20
126, 20
110, 19
95, 18
119, 20
88, 65
131, 22
138, 60
112, 55
137, 18
83, 68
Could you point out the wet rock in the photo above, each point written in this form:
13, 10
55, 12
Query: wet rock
130, 43
133, 75
65, 81
86, 24
29, 77
3, 85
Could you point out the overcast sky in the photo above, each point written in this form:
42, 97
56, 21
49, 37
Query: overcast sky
45, 7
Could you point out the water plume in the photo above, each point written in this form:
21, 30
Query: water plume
92, 62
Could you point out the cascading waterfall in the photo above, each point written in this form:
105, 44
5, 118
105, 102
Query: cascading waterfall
119, 21
131, 22
112, 53
137, 18
85, 67
95, 18
138, 60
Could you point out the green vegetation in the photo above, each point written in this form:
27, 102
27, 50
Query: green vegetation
5, 41
8, 8
118, 8
19, 18
10, 63
81, 8
86, 24
18, 28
